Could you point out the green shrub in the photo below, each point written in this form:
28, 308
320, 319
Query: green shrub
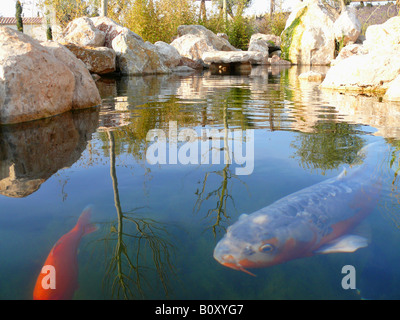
275, 23
18, 16
239, 32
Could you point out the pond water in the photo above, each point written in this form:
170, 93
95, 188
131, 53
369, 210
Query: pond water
158, 224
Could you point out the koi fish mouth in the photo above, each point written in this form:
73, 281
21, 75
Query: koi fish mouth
229, 261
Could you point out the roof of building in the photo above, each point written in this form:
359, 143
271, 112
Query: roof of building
13, 20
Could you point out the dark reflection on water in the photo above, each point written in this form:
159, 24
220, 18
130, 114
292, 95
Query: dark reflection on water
32, 152
159, 223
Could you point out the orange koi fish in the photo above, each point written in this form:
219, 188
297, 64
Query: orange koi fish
58, 279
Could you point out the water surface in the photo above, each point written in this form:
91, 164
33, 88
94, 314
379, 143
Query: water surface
159, 223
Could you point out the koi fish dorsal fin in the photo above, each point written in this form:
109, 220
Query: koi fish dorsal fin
348, 243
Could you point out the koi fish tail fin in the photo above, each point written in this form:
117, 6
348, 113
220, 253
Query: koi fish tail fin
84, 221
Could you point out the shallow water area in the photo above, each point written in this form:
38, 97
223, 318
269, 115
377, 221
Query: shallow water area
158, 223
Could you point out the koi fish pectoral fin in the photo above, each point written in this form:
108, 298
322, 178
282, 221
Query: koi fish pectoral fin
348, 243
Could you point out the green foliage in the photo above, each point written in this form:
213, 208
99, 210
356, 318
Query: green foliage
275, 23
18, 15
339, 44
153, 20
238, 29
239, 32
49, 33
233, 7
65, 10
142, 19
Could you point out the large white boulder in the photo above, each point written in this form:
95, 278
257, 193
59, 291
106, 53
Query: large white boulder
262, 42
86, 93
34, 82
370, 72
393, 92
111, 29
347, 27
195, 40
349, 50
252, 57
371, 67
134, 55
383, 36
99, 60
82, 31
308, 38
168, 54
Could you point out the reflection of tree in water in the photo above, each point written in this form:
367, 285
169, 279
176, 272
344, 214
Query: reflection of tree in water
221, 194
328, 147
219, 212
125, 274
391, 203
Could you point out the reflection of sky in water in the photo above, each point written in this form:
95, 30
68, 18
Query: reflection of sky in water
173, 215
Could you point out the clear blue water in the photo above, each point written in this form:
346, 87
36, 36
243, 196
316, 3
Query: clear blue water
159, 223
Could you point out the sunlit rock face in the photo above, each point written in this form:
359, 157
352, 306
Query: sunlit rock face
168, 54
371, 67
347, 27
85, 93
83, 32
99, 60
33, 83
365, 73
136, 56
262, 42
195, 40
308, 38
252, 57
32, 152
39, 81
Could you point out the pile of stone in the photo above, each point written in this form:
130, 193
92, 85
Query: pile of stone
39, 80
372, 67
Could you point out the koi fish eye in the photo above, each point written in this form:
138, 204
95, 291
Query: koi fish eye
266, 248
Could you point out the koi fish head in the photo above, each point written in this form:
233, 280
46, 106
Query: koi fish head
259, 241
